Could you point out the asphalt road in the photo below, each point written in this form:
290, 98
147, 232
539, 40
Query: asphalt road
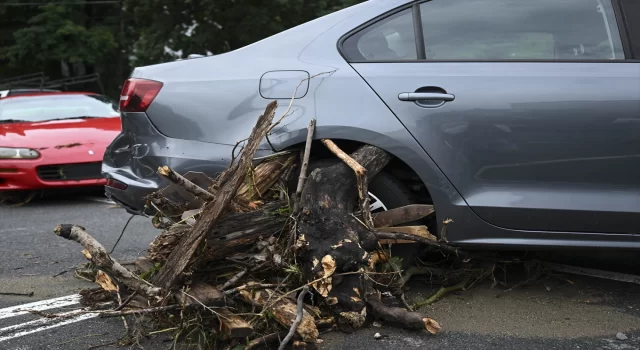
564, 312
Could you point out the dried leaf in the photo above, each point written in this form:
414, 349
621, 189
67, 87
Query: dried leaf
431, 325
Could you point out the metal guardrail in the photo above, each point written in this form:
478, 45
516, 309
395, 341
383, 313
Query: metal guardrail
27, 80
41, 82
66, 82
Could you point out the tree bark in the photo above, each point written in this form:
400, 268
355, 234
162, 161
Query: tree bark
233, 178
237, 231
99, 256
233, 231
233, 325
332, 239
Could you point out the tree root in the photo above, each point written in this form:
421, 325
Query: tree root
440, 293
401, 317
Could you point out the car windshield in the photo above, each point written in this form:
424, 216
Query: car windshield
48, 107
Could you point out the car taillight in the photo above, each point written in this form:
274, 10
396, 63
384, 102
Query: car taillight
137, 94
116, 184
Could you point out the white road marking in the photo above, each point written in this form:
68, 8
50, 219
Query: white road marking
15, 229
40, 305
43, 324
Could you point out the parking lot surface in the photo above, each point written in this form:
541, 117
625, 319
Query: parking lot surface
563, 312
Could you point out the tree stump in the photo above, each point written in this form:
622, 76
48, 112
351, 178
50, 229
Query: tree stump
333, 240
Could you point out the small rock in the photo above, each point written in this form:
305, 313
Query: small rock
377, 336
621, 336
377, 324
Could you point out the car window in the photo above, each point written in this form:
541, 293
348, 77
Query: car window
631, 9
391, 39
42, 108
516, 29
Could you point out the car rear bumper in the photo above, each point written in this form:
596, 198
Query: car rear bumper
133, 159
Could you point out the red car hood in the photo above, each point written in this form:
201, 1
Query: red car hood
47, 134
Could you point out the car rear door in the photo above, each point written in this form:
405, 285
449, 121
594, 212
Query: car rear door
530, 108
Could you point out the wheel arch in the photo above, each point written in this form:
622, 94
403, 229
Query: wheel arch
407, 158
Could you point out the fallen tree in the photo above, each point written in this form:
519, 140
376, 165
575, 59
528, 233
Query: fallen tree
252, 260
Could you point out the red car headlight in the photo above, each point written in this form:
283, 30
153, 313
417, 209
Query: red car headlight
18, 153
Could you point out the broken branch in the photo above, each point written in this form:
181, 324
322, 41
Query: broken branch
101, 258
440, 246
180, 180
305, 164
401, 215
402, 318
181, 256
361, 178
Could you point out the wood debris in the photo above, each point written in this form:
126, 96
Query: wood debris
235, 255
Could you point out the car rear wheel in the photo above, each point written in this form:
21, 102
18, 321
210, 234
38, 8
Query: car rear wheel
385, 191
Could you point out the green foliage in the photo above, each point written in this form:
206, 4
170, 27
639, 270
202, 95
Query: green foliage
393, 265
53, 35
151, 272
111, 40
205, 26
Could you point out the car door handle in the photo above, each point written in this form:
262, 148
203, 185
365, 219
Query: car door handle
425, 96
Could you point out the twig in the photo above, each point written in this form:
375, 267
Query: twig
126, 301
284, 295
404, 302
136, 311
273, 155
440, 293
178, 179
163, 330
305, 164
298, 319
295, 92
250, 286
124, 319
38, 312
60, 274
233, 280
102, 313
437, 245
202, 304
30, 294
265, 340
120, 237
361, 178
443, 233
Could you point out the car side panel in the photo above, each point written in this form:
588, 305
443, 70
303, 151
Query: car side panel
201, 94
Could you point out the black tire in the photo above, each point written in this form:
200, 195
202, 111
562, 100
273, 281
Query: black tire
392, 193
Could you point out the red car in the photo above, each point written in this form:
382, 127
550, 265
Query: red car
54, 140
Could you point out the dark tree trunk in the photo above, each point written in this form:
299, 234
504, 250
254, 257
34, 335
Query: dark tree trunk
237, 231
333, 241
